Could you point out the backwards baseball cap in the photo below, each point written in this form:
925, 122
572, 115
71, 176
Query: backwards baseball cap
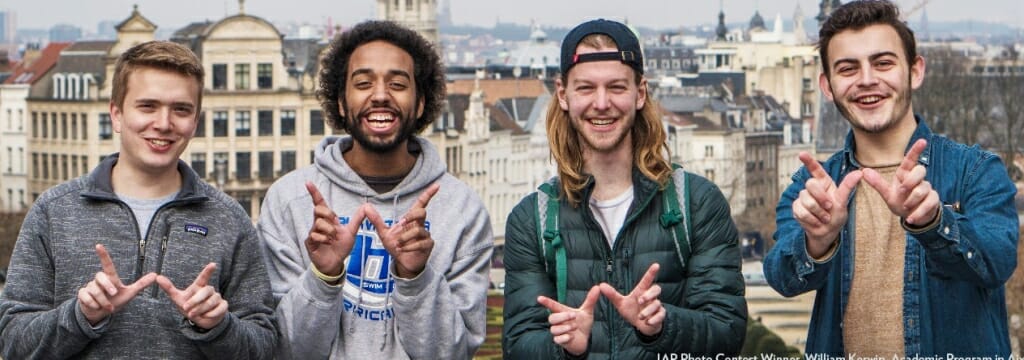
625, 39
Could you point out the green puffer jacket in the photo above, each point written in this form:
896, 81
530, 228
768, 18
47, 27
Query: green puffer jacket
706, 310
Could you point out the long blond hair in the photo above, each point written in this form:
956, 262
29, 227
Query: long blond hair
649, 149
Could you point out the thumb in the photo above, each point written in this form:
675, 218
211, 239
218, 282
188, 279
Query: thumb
375, 219
609, 292
551, 304
877, 182
591, 300
167, 286
141, 284
846, 187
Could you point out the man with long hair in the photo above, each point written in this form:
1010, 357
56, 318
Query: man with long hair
627, 286
906, 236
410, 281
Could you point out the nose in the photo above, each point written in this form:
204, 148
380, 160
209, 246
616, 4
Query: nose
162, 119
601, 99
380, 93
867, 77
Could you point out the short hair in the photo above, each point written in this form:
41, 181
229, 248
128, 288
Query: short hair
163, 55
650, 152
860, 14
428, 72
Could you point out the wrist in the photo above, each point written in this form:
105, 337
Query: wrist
195, 327
329, 279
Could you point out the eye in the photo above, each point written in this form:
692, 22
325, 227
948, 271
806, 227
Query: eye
885, 64
362, 84
397, 85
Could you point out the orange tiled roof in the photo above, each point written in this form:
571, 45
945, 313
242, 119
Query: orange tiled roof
498, 89
37, 68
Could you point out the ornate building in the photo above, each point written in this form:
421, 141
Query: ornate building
419, 15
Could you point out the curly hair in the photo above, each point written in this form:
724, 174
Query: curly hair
163, 55
860, 14
650, 152
427, 68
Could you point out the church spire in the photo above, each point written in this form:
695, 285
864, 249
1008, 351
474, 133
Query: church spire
721, 31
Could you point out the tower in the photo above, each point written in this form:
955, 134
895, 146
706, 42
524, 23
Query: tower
419, 15
721, 31
827, 7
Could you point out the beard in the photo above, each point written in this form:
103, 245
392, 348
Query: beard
405, 132
899, 110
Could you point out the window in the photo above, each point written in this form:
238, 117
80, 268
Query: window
43, 131
74, 166
46, 166
245, 200
63, 167
243, 170
287, 162
10, 121
242, 123
74, 126
35, 165
10, 159
266, 164
709, 174
220, 123
199, 164
264, 76
64, 126
709, 151
241, 76
807, 84
201, 125
85, 126
85, 164
266, 122
287, 122
220, 167
21, 119
35, 124
21, 160
316, 122
220, 76
53, 125
106, 129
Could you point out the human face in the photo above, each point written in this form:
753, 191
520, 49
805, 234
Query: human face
602, 99
871, 81
157, 119
381, 104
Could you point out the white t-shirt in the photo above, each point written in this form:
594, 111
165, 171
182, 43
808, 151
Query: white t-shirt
611, 213
144, 209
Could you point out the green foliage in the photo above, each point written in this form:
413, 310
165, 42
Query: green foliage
760, 340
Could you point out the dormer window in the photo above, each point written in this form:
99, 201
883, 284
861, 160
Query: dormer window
72, 86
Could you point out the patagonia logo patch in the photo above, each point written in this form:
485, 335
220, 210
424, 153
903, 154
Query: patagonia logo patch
196, 229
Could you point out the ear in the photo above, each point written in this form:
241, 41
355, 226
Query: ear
825, 86
917, 72
419, 107
341, 108
115, 117
641, 94
560, 92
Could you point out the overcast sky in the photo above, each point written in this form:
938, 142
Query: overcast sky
174, 14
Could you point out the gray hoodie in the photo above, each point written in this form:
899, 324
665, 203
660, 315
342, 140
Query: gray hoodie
439, 314
40, 317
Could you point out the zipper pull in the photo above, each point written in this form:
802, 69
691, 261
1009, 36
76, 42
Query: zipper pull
608, 265
142, 248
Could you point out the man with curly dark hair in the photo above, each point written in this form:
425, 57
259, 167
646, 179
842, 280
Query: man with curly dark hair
349, 282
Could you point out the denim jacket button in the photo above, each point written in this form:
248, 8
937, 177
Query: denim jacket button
970, 254
945, 230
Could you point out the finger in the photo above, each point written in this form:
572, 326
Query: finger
325, 227
559, 318
375, 219
315, 194
324, 213
877, 182
846, 187
910, 160
813, 207
97, 294
424, 199
650, 294
820, 190
203, 301
357, 219
562, 339
421, 245
649, 310
141, 283
658, 317
806, 219
103, 281
912, 179
917, 195
551, 304
217, 312
204, 276
813, 166
926, 212
87, 301
416, 217
563, 328
106, 263
609, 292
647, 280
168, 287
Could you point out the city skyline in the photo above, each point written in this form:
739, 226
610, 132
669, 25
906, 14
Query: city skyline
174, 15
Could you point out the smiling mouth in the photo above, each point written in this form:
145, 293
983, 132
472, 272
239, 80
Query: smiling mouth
380, 120
159, 142
869, 100
601, 121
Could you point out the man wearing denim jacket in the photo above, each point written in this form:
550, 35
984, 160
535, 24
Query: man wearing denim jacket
911, 260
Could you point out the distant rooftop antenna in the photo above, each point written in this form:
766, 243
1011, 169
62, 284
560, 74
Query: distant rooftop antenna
241, 7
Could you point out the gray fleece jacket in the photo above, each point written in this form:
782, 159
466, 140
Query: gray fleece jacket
54, 256
439, 314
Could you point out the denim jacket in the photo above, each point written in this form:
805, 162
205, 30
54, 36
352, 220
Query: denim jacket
954, 298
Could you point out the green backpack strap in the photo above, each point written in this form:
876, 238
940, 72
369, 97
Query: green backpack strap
551, 239
677, 215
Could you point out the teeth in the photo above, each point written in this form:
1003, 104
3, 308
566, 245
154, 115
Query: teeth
870, 99
159, 142
601, 121
379, 117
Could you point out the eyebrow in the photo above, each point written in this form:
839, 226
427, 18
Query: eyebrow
871, 57
395, 72
173, 103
